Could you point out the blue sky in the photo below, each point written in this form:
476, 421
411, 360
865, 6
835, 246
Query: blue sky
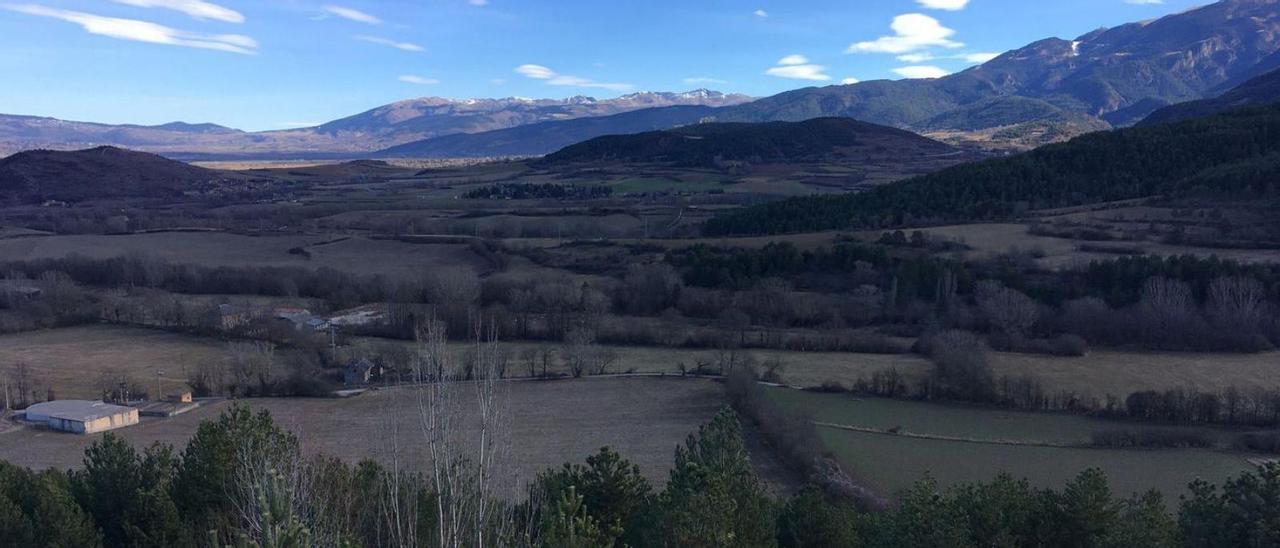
272, 64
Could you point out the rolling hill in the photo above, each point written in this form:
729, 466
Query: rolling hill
103, 172
1233, 154
1258, 91
821, 140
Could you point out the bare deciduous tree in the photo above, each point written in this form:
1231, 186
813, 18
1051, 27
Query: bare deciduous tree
1007, 309
1236, 303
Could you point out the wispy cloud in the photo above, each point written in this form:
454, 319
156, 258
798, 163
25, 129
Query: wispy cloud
419, 80
142, 31
539, 72
912, 32
406, 46
760, 13
946, 5
353, 15
849, 81
478, 2
697, 80
198, 9
921, 71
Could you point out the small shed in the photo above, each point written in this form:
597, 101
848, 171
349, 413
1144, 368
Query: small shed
359, 372
82, 416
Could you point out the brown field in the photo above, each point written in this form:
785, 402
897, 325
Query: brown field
356, 255
70, 360
551, 423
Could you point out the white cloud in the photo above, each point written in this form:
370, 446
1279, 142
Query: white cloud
353, 15
419, 80
921, 71
198, 9
553, 78
849, 81
977, 57
406, 46
792, 60
798, 67
142, 31
478, 2
947, 5
760, 13
912, 32
697, 80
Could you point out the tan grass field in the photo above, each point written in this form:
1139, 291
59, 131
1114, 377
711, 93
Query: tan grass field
70, 360
550, 423
994, 238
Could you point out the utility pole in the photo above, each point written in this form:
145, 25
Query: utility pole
333, 342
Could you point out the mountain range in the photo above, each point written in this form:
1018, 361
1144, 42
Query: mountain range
376, 129
1108, 77
1048, 91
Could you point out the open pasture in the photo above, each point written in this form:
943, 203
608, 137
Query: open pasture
996, 441
549, 423
70, 360
988, 239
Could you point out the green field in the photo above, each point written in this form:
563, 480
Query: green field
891, 463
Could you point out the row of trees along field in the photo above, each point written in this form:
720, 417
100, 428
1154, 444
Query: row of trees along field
1231, 154
243, 481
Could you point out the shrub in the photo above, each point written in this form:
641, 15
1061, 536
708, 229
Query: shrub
1152, 438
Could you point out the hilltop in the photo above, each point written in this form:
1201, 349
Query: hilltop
102, 172
717, 144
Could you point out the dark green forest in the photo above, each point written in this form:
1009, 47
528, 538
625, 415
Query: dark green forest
1228, 155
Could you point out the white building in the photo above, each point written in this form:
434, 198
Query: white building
81, 416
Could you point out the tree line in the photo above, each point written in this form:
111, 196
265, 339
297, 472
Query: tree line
242, 480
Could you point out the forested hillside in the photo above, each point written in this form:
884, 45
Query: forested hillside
1262, 90
1229, 154
706, 145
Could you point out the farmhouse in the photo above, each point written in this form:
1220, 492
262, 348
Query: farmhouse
81, 416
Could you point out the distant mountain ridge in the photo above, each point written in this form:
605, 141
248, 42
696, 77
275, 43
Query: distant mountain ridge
1116, 76
547, 137
382, 127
